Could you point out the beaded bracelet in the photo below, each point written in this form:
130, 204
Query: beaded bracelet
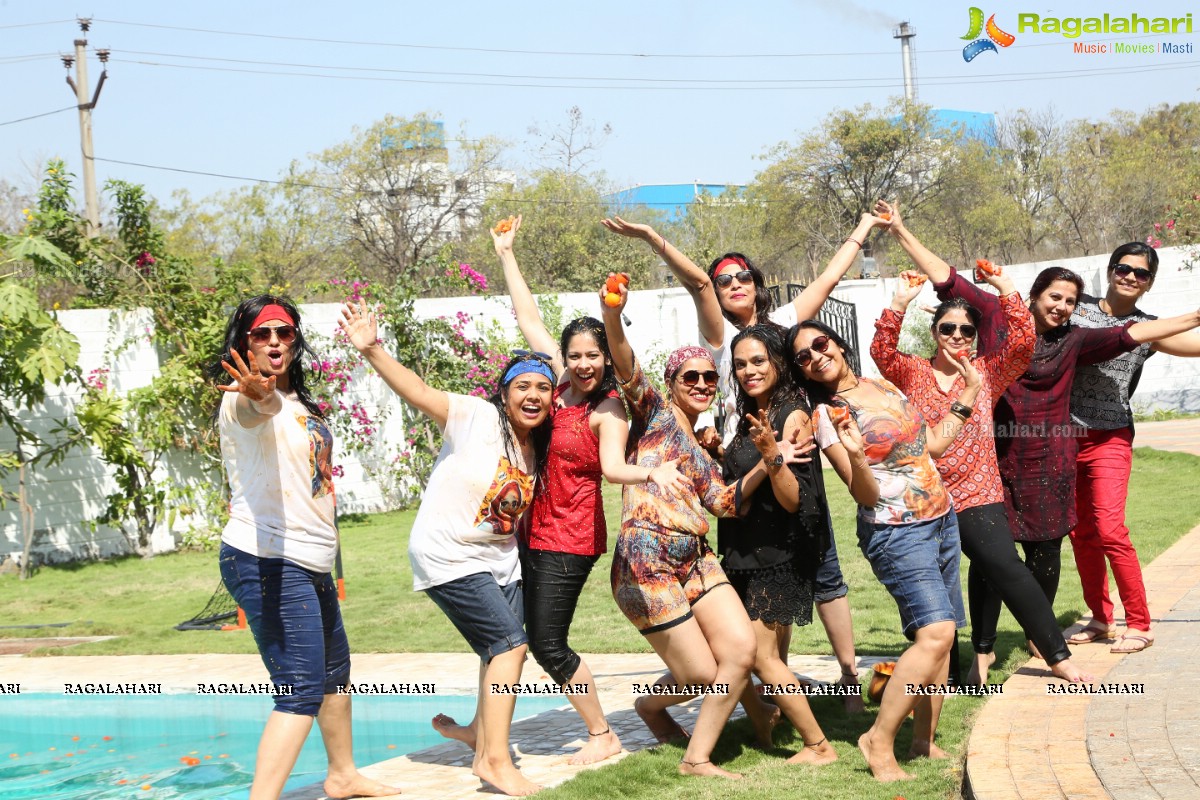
852, 239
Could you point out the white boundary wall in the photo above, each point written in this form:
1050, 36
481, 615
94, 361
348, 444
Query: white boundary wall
68, 496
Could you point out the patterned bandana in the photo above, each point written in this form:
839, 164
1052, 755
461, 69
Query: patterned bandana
675, 361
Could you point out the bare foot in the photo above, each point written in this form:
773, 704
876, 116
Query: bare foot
706, 769
357, 785
597, 748
1070, 673
978, 673
505, 777
882, 764
661, 724
764, 727
853, 702
815, 754
447, 727
923, 749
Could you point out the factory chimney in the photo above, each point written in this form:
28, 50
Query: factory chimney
905, 34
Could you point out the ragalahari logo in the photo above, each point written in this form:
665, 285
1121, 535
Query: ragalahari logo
995, 36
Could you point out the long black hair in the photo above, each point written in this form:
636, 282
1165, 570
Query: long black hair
764, 301
237, 337
590, 326
539, 436
785, 390
817, 392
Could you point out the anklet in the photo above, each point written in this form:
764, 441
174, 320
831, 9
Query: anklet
601, 733
818, 744
693, 763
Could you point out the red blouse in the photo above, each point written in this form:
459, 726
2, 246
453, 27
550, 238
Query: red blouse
968, 467
568, 507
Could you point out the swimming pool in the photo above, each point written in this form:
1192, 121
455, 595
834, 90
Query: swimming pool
97, 747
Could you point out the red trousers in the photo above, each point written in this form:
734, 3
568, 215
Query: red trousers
1104, 462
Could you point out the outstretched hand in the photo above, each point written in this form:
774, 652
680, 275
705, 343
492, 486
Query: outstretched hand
504, 241
908, 286
763, 435
634, 230
359, 326
249, 381
888, 214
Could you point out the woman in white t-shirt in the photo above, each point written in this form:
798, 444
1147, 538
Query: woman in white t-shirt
730, 297
463, 546
279, 545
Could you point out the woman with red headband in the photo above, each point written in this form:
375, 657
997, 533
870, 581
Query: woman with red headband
279, 545
665, 577
730, 297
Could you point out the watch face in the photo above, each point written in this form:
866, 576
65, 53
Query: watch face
777, 461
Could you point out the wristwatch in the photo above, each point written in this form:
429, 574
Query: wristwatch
777, 461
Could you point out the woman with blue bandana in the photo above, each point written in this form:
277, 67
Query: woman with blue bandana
463, 547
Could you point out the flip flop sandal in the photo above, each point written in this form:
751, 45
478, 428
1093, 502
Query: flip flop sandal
1089, 634
1145, 643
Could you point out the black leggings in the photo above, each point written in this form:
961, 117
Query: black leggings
996, 573
552, 584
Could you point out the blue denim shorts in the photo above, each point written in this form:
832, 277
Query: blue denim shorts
917, 562
489, 616
294, 615
829, 583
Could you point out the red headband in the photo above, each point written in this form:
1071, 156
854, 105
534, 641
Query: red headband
725, 262
271, 312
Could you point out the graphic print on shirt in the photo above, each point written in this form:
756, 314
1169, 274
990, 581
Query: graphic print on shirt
320, 454
506, 499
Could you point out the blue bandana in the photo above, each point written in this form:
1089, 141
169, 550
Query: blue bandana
528, 365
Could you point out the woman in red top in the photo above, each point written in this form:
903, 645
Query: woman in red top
968, 467
567, 533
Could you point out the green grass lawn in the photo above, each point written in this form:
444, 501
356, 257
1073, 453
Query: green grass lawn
140, 600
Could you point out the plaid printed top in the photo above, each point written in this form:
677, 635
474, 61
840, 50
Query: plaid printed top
968, 467
1035, 440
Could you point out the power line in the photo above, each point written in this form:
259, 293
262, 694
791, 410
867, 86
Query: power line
35, 24
882, 83
36, 116
219, 174
508, 51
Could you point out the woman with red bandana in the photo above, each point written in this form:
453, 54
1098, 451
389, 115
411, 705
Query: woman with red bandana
279, 545
729, 297
665, 577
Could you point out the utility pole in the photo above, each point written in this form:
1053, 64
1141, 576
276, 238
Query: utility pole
80, 86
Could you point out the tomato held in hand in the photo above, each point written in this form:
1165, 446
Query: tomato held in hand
915, 280
983, 267
838, 415
612, 299
503, 226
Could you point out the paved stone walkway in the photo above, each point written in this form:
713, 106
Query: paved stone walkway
1180, 435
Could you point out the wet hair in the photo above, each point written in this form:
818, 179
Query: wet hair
1051, 274
952, 304
785, 390
237, 335
1136, 249
590, 326
816, 392
540, 436
764, 301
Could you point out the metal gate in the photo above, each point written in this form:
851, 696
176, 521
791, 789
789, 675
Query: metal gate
837, 314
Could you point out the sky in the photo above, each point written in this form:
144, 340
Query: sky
693, 91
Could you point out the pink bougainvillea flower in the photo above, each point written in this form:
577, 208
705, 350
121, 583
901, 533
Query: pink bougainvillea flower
1170, 224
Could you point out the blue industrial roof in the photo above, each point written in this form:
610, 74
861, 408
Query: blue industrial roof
670, 198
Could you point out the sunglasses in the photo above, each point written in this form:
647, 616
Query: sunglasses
1142, 275
536, 354
948, 328
805, 356
262, 335
693, 376
744, 276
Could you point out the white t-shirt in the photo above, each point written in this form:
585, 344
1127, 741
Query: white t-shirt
280, 477
784, 316
470, 508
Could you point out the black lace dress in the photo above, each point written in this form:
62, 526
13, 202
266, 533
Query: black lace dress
771, 555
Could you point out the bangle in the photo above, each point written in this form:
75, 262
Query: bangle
961, 411
852, 239
663, 251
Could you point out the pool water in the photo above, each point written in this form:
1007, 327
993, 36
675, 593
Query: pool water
186, 746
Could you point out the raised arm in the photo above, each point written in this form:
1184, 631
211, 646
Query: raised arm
1154, 330
690, 276
618, 346
360, 328
529, 317
897, 367
808, 303
925, 259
